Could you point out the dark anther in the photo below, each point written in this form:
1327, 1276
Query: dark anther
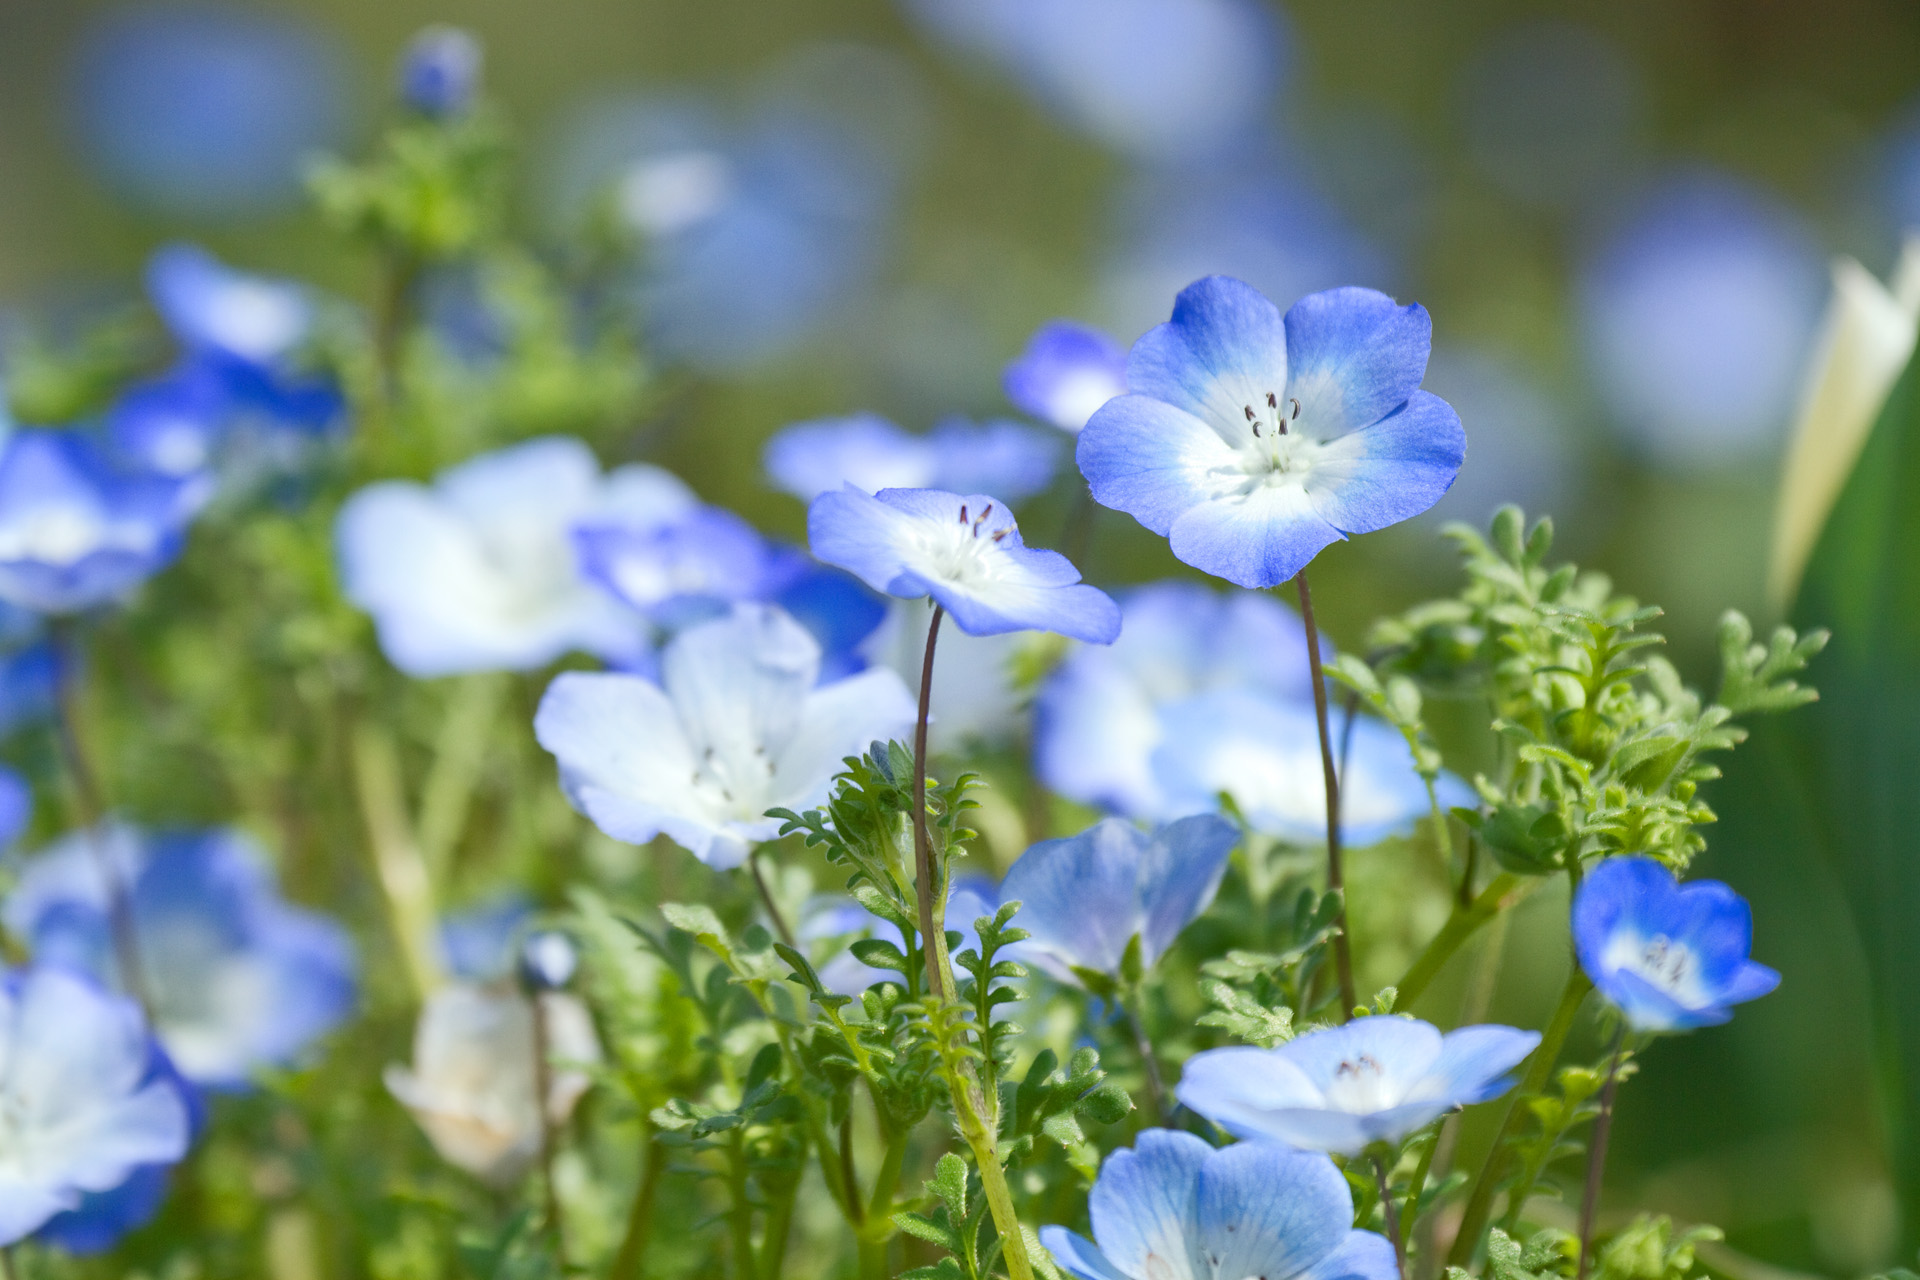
1256, 430
1249, 409
963, 513
985, 512
999, 534
1273, 401
1295, 415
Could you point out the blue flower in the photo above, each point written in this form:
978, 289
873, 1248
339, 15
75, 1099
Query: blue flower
16, 805
1251, 441
478, 943
479, 571
700, 561
737, 725
1343, 1088
1264, 753
75, 531
966, 553
1173, 1206
29, 684
238, 980
1669, 956
440, 72
84, 1099
212, 308
1086, 897
1067, 371
1099, 716
871, 454
836, 608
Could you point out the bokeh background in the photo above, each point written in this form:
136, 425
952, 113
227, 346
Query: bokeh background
1621, 216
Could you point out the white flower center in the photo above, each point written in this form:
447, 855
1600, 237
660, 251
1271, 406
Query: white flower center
674, 192
962, 553
62, 533
1670, 966
1361, 1086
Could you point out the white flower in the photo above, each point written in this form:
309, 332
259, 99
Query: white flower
472, 1086
735, 727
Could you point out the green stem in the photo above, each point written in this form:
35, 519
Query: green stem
460, 755
1156, 1088
1461, 925
633, 1246
1473, 1222
1336, 879
1415, 1190
877, 1231
766, 900
740, 1212
401, 870
773, 1245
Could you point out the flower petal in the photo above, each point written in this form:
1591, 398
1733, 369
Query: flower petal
1066, 372
1353, 356
1394, 469
1474, 1062
1224, 350
1180, 872
1080, 896
1259, 538
839, 720
1078, 1255
1265, 1210
1153, 460
1363, 1255
1145, 1206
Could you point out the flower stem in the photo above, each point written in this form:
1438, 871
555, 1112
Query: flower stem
1461, 925
1415, 1190
1336, 881
939, 980
740, 1213
633, 1246
766, 900
1597, 1153
1392, 1218
1129, 1000
460, 754
877, 1229
549, 1136
396, 857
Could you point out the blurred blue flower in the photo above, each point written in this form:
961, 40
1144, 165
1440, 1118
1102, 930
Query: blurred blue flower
238, 979
1343, 1088
976, 700
1698, 314
966, 553
1098, 717
478, 943
1066, 372
1524, 447
702, 559
1669, 956
1084, 898
76, 531
836, 608
16, 806
1161, 80
1251, 441
29, 685
205, 110
1175, 1206
1264, 753
737, 725
213, 309
84, 1099
866, 451
479, 572
440, 71
548, 959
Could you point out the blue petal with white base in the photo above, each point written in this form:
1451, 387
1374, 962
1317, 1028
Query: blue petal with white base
211, 308
1669, 956
965, 552
1252, 440
707, 557
1067, 371
871, 454
1084, 898
1174, 1208
1342, 1088
737, 725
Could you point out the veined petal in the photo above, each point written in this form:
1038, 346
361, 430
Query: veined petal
1257, 539
1154, 460
1235, 1086
1474, 1062
1145, 1206
1265, 1210
1224, 350
1363, 1255
1396, 468
622, 751
839, 720
1080, 896
1082, 612
1181, 868
1078, 1255
1353, 356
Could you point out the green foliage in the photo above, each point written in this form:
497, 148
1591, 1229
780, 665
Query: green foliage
433, 193
1649, 1248
1259, 997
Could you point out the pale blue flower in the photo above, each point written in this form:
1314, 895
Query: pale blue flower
1343, 1088
76, 531
1669, 956
477, 944
1084, 898
976, 699
1099, 716
83, 1099
707, 557
440, 71
1174, 1208
212, 308
966, 553
737, 725
478, 572
1251, 441
866, 451
238, 979
29, 684
16, 805
1067, 371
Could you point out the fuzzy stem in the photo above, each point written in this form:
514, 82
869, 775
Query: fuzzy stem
633, 1246
1461, 925
877, 1231
1597, 1153
1336, 881
1392, 1222
766, 900
939, 979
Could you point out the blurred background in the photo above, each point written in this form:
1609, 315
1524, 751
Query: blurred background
1621, 217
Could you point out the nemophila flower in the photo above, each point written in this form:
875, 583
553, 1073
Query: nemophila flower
478, 944
976, 700
1086, 897
29, 685
440, 71
478, 572
1098, 717
1264, 754
1066, 372
837, 609
16, 806
473, 1083
966, 553
871, 454
76, 531
1252, 440
737, 725
210, 307
238, 980
1669, 956
1174, 1208
1343, 1088
84, 1099
704, 559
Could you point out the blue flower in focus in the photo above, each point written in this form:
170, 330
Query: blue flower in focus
84, 1097
238, 979
1084, 898
1669, 956
966, 553
1340, 1089
440, 72
1099, 716
737, 725
1173, 1206
479, 571
75, 530
1067, 371
870, 453
1251, 441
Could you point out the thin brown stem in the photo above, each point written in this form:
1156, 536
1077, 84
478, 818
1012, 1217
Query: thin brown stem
1597, 1153
766, 900
1392, 1216
939, 981
1336, 881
